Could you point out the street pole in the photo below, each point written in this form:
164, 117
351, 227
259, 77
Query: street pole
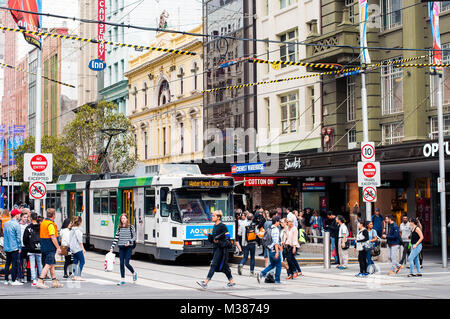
37, 147
365, 130
442, 171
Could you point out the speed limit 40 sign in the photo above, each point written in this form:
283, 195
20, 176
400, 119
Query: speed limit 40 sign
368, 152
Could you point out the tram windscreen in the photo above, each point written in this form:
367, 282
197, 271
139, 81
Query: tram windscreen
198, 207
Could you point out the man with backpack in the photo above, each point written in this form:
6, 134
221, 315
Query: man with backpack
32, 241
248, 232
272, 241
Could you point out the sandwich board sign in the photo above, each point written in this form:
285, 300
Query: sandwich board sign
38, 167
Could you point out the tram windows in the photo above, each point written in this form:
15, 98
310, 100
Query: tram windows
97, 202
104, 202
149, 204
163, 198
113, 202
80, 205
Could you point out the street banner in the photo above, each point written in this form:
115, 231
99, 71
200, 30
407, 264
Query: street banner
16, 138
2, 142
28, 21
101, 29
363, 14
437, 55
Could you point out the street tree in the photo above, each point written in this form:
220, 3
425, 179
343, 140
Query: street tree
102, 138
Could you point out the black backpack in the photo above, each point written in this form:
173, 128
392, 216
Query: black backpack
34, 239
270, 279
267, 239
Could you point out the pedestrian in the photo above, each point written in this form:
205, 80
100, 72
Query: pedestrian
6, 216
125, 238
291, 245
308, 216
23, 257
374, 241
343, 243
393, 242
301, 220
416, 248
420, 224
247, 230
267, 226
238, 218
316, 225
362, 246
378, 222
31, 240
293, 215
333, 228
274, 249
49, 248
221, 243
405, 233
12, 247
283, 239
65, 250
77, 248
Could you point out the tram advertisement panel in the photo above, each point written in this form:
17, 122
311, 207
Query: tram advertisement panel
196, 231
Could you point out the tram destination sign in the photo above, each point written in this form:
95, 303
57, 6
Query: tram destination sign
207, 183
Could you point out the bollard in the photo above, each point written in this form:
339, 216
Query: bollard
326, 250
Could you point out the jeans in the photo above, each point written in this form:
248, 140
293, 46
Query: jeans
78, 263
249, 249
35, 260
273, 263
414, 259
292, 261
12, 259
393, 253
124, 256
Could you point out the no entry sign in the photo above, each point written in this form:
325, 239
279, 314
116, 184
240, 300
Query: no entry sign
38, 190
37, 167
369, 174
370, 194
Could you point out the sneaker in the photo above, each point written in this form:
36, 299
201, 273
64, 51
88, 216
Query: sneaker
65, 276
342, 267
135, 276
56, 284
231, 285
203, 284
289, 277
411, 275
6, 282
121, 283
418, 275
41, 285
365, 274
252, 273
358, 275
259, 277
240, 270
398, 269
16, 283
391, 272
34, 283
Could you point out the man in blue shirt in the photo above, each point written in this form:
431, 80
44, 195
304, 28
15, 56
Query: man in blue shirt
12, 246
274, 252
378, 222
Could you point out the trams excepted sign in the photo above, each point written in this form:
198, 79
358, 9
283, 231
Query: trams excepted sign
369, 174
368, 151
37, 167
38, 190
370, 194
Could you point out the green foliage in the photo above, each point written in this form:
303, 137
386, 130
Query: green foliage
64, 161
85, 135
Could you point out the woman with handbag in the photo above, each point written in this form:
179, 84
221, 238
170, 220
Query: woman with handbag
343, 243
125, 238
221, 243
362, 246
77, 248
65, 251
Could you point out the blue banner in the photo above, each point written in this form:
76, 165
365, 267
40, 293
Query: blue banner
16, 138
2, 142
247, 168
196, 231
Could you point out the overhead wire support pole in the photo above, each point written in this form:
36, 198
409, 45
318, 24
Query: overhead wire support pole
37, 146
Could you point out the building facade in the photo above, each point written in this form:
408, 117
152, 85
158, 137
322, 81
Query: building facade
165, 101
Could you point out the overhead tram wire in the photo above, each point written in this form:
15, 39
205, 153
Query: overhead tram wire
222, 36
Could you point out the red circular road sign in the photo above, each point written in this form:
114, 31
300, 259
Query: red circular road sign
38, 190
38, 163
370, 194
367, 151
369, 170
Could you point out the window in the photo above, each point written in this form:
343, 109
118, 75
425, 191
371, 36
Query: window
164, 141
289, 113
392, 133
195, 137
195, 71
284, 3
181, 76
445, 5
288, 52
434, 132
145, 89
351, 110
164, 210
391, 89
104, 202
267, 103
97, 202
350, 4
312, 106
391, 13
445, 80
113, 202
145, 145
149, 202
351, 138
135, 98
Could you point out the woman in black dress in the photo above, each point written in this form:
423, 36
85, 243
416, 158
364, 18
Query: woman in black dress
220, 239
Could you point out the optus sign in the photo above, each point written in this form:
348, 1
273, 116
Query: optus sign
433, 148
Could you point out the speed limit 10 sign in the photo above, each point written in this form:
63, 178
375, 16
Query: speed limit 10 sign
368, 152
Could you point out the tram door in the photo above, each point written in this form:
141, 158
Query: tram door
139, 213
127, 204
72, 207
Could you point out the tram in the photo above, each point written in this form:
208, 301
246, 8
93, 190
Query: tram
169, 204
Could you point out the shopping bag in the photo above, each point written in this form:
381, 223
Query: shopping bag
110, 260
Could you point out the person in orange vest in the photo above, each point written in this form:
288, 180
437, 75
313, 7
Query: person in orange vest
5, 218
49, 247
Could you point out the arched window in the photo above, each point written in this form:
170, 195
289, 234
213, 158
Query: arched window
135, 98
181, 76
145, 89
195, 72
164, 93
